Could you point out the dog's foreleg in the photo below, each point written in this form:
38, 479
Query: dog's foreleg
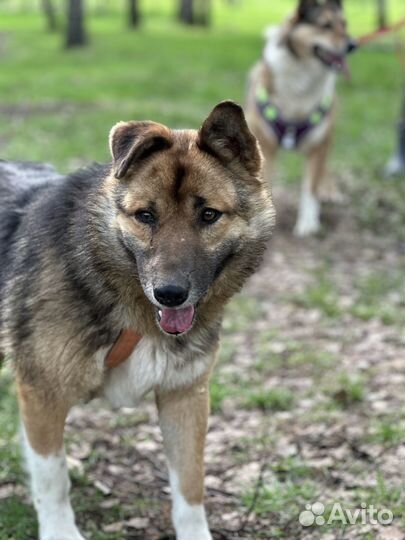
308, 221
183, 419
43, 422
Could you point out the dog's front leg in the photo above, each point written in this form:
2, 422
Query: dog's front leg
308, 221
43, 420
183, 419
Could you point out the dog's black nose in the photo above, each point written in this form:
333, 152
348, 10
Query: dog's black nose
170, 295
351, 46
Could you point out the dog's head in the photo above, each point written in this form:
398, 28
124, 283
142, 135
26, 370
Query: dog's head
192, 212
319, 29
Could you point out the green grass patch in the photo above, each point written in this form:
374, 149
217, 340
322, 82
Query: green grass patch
380, 296
286, 499
322, 295
17, 520
218, 393
274, 399
10, 457
241, 311
389, 431
292, 355
348, 391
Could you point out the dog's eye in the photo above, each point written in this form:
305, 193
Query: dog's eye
146, 217
210, 215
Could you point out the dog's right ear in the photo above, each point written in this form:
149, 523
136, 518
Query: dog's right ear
131, 142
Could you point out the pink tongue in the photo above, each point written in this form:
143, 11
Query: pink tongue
177, 321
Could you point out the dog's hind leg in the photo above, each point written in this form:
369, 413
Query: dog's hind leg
43, 419
308, 221
183, 419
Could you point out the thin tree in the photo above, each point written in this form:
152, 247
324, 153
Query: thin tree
381, 13
75, 31
49, 11
133, 13
195, 12
186, 11
202, 12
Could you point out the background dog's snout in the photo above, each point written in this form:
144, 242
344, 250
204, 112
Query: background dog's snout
170, 295
351, 46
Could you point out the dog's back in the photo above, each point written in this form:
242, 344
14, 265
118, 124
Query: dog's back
20, 183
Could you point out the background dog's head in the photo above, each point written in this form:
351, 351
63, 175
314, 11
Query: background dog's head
192, 212
318, 30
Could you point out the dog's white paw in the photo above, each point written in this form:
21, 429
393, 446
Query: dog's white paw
66, 531
307, 227
194, 534
308, 221
63, 535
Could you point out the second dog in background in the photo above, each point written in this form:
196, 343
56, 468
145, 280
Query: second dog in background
291, 97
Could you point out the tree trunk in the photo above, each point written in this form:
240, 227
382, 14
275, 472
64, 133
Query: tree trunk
202, 11
133, 13
49, 12
381, 13
76, 34
195, 12
186, 11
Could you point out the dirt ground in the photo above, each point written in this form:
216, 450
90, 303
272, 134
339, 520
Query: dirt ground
320, 324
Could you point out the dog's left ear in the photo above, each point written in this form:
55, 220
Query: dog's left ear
304, 6
131, 142
225, 135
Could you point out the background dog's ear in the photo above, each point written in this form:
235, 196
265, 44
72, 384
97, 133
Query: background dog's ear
287, 27
225, 135
305, 5
133, 141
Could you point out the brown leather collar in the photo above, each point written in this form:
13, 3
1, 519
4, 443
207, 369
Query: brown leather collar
122, 348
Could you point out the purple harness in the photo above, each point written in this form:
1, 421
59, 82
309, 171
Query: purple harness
290, 134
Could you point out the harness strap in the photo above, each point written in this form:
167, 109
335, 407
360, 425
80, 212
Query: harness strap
288, 132
122, 348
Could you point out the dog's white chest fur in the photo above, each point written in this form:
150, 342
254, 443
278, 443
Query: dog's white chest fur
150, 365
299, 85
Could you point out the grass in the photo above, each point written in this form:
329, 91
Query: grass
286, 497
373, 291
322, 295
347, 390
389, 431
274, 399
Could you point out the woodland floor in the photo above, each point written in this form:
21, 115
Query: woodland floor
308, 404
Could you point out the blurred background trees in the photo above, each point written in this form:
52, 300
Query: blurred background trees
50, 15
75, 29
195, 12
71, 15
133, 13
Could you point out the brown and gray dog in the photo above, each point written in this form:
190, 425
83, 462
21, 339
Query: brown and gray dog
291, 97
113, 283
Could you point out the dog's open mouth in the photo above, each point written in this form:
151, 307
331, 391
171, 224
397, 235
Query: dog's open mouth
176, 321
330, 59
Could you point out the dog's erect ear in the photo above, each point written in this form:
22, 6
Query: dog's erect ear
287, 27
225, 135
305, 6
133, 141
